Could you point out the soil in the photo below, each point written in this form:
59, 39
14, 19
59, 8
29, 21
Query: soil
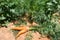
6, 34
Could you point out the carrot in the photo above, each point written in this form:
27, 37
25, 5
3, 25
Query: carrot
21, 29
17, 28
21, 32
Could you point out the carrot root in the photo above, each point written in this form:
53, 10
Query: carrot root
21, 32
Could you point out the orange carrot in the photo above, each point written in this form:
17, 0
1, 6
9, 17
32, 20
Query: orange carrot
21, 32
21, 29
16, 28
